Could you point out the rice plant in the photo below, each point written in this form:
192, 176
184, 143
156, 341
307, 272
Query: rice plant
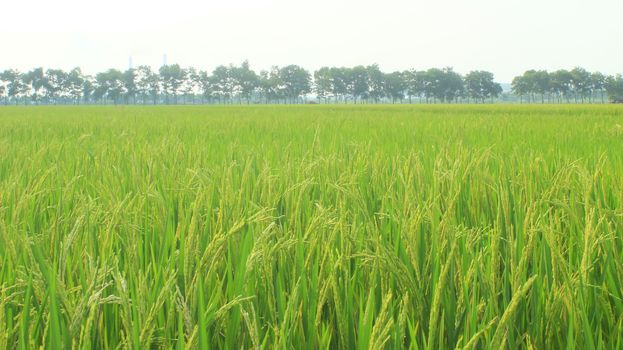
311, 227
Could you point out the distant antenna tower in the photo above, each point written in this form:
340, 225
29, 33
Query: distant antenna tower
130, 65
164, 59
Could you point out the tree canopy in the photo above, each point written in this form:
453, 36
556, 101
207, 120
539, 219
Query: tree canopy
173, 84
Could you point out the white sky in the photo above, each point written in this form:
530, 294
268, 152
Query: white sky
503, 36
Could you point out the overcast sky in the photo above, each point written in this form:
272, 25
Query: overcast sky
503, 36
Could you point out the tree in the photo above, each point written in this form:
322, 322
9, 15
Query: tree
323, 83
581, 82
88, 88
395, 86
530, 84
222, 83
288, 84
614, 88
561, 84
296, 82
480, 86
110, 85
433, 88
339, 82
358, 86
520, 87
171, 77
538, 82
14, 84
271, 85
414, 83
434, 84
205, 85
376, 82
245, 81
444, 85
598, 84
147, 84
347, 78
35, 81
129, 85
191, 84
452, 85
75, 84
56, 85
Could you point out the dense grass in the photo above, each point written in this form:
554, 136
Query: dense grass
312, 227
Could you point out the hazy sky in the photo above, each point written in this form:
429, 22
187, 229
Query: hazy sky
503, 36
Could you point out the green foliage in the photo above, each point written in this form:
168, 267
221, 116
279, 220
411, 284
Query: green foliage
311, 227
293, 84
561, 85
614, 86
481, 86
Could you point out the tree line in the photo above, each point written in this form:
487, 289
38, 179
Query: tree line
173, 84
576, 85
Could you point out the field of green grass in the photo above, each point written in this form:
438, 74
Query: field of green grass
312, 227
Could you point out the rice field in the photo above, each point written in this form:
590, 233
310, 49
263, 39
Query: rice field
311, 227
